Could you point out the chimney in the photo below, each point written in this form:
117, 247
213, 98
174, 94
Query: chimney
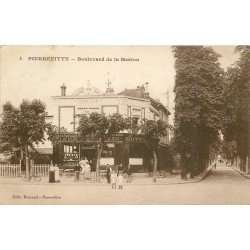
146, 89
63, 90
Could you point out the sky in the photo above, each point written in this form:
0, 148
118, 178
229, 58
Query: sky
22, 78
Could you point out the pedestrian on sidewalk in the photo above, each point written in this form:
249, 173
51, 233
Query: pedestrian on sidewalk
77, 170
129, 173
120, 169
215, 165
82, 164
120, 180
87, 171
51, 174
113, 178
108, 172
57, 173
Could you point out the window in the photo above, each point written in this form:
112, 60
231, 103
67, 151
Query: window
108, 150
70, 149
67, 118
70, 153
135, 120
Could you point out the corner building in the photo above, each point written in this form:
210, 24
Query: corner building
122, 148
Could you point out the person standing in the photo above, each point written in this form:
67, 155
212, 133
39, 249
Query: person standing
57, 173
129, 173
77, 172
51, 174
120, 180
215, 165
108, 172
113, 178
119, 169
87, 170
83, 163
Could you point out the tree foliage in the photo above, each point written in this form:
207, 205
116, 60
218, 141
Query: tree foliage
198, 104
236, 98
101, 127
23, 127
153, 132
53, 133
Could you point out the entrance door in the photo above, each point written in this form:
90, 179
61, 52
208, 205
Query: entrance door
90, 154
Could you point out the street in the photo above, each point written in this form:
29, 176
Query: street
222, 186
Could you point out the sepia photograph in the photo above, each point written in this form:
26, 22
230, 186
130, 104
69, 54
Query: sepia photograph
127, 125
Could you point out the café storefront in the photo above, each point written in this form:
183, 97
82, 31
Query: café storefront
121, 148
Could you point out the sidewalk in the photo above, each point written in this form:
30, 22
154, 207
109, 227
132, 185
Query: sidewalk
140, 181
241, 172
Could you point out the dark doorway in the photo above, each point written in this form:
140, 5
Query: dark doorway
90, 153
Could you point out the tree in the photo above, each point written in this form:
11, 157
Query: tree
23, 127
237, 106
198, 104
53, 133
153, 131
100, 127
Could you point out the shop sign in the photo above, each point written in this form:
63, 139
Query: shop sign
105, 161
135, 161
73, 137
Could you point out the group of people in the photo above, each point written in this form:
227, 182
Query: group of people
54, 174
117, 178
82, 169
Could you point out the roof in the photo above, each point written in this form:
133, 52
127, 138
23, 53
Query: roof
159, 105
133, 93
139, 93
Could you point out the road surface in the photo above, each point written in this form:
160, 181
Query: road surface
222, 186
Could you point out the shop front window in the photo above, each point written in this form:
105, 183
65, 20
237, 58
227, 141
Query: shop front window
136, 157
70, 153
108, 150
107, 155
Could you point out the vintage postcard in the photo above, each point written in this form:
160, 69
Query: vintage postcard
124, 125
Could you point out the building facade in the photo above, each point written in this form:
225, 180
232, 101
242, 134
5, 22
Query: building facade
123, 148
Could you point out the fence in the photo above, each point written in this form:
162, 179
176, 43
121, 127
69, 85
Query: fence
13, 171
10, 170
40, 170
91, 176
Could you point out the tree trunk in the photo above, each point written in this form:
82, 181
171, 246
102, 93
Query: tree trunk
21, 159
183, 168
27, 173
232, 161
192, 172
241, 164
154, 165
248, 164
192, 167
99, 152
244, 161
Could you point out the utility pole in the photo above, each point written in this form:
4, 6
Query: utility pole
167, 97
